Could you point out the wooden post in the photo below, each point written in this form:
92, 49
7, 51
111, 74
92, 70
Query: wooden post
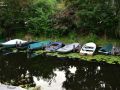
73, 48
16, 44
78, 48
113, 50
20, 44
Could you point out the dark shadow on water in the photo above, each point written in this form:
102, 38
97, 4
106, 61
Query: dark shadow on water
16, 69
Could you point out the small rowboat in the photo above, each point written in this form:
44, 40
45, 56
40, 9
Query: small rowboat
24, 46
88, 49
38, 45
54, 46
68, 48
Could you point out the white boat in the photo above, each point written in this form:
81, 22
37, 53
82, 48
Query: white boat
10, 87
88, 49
13, 42
68, 48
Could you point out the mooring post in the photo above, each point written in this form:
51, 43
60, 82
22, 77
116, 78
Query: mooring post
73, 48
20, 44
16, 44
78, 48
42, 46
29, 52
113, 50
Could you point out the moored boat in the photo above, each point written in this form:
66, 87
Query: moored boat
39, 45
107, 49
14, 42
68, 48
116, 51
54, 46
24, 46
88, 49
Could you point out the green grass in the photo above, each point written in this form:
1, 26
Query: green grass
75, 38
82, 40
107, 58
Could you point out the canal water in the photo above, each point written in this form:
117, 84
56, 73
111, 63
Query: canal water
52, 73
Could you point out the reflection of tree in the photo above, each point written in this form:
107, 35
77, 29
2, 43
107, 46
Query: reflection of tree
89, 77
44, 66
40, 66
15, 69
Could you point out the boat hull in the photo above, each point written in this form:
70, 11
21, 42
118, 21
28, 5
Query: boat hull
38, 45
54, 46
88, 49
68, 48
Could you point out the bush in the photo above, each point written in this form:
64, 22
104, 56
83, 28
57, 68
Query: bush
91, 38
40, 22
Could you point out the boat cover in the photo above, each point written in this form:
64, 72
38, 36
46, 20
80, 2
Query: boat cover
106, 49
68, 48
54, 46
39, 45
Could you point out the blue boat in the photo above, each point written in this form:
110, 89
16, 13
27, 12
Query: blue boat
54, 46
25, 46
38, 45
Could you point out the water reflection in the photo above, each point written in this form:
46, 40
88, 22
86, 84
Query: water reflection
54, 84
72, 69
53, 73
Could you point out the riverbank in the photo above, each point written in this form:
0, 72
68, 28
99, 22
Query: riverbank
82, 40
73, 38
97, 58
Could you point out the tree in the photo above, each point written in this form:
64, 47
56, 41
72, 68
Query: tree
40, 20
91, 16
13, 15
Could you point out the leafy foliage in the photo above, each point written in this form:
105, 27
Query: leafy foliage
88, 16
40, 22
13, 15
61, 17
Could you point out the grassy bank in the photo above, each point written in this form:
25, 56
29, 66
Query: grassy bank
98, 58
70, 39
74, 38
